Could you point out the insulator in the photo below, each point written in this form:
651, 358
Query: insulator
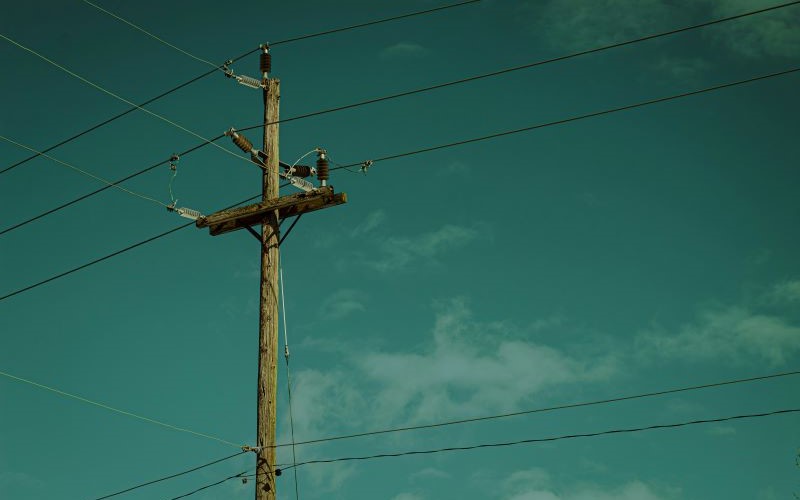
322, 168
303, 171
266, 62
251, 82
300, 183
242, 142
189, 213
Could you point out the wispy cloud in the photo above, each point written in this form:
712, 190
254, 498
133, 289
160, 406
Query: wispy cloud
787, 292
773, 34
537, 484
373, 221
403, 50
343, 303
397, 252
737, 333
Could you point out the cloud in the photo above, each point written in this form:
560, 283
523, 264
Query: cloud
787, 292
772, 34
408, 496
536, 484
403, 50
373, 221
464, 365
722, 430
682, 69
732, 333
582, 24
343, 303
398, 252
430, 473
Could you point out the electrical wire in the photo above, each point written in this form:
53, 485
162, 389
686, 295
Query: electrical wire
543, 440
154, 37
117, 410
237, 58
112, 94
100, 190
154, 481
198, 490
524, 66
434, 148
567, 406
288, 377
575, 118
85, 172
420, 90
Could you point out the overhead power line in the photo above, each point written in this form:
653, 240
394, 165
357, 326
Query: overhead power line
237, 58
172, 476
118, 97
544, 440
617, 399
434, 148
154, 37
117, 410
198, 490
526, 66
407, 93
84, 172
574, 118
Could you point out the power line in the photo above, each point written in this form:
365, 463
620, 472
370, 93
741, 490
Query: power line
434, 148
547, 439
575, 118
100, 190
161, 40
617, 399
116, 96
117, 410
528, 65
417, 91
237, 58
154, 481
84, 172
198, 490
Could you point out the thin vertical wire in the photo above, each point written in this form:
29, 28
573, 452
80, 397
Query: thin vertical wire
288, 383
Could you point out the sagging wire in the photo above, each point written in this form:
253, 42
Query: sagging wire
288, 380
297, 180
185, 212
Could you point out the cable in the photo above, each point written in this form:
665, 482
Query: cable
548, 409
288, 375
112, 94
122, 412
372, 23
134, 26
89, 195
425, 150
576, 118
295, 221
241, 474
547, 439
142, 485
200, 77
113, 254
83, 172
433, 87
524, 66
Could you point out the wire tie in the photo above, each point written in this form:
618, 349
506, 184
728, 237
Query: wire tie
365, 166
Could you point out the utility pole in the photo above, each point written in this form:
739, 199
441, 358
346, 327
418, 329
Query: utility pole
269, 213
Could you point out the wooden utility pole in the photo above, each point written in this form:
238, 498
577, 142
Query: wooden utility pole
268, 321
269, 213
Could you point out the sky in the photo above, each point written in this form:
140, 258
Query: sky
643, 250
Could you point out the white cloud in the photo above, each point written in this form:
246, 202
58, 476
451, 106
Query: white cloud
787, 292
731, 333
397, 252
536, 484
408, 496
430, 473
343, 303
465, 365
374, 220
404, 50
772, 34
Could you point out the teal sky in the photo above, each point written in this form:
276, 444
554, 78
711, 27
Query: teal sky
648, 249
